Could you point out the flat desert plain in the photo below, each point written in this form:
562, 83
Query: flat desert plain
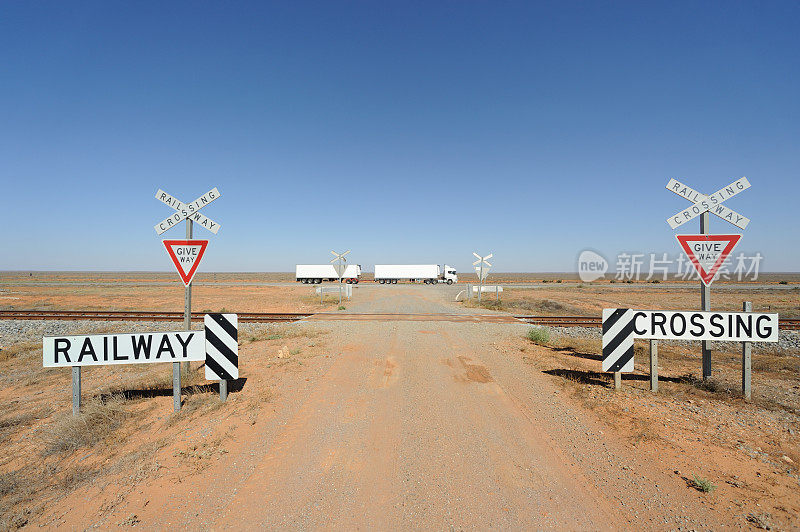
391, 423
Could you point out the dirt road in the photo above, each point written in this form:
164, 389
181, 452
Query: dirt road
414, 424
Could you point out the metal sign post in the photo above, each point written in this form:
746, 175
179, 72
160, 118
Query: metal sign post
702, 205
340, 267
482, 272
190, 213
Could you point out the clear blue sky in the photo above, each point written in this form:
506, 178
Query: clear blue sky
409, 132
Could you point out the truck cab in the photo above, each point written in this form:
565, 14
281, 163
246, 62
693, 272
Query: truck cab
449, 275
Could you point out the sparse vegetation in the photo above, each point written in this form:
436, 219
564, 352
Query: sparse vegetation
538, 335
95, 423
783, 282
702, 484
342, 307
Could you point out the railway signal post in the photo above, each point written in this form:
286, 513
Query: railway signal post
481, 270
339, 265
701, 206
190, 212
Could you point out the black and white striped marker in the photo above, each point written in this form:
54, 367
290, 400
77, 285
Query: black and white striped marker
618, 333
222, 347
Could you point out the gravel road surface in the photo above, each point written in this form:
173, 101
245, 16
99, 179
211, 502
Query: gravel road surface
420, 425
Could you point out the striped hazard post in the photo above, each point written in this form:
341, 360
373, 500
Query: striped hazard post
618, 333
222, 350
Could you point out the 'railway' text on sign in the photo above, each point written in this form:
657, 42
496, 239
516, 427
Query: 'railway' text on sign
128, 348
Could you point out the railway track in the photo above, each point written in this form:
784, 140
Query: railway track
104, 315
270, 317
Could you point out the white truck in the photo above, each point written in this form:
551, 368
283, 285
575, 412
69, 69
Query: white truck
316, 273
427, 273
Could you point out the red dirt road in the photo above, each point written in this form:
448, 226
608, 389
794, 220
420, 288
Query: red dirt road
412, 424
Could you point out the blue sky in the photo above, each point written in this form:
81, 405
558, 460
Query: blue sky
408, 132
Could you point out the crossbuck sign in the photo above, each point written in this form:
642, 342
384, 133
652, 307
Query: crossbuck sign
712, 203
189, 211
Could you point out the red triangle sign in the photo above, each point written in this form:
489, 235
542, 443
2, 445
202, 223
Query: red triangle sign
186, 255
708, 252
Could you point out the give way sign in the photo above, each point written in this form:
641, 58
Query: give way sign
186, 255
708, 252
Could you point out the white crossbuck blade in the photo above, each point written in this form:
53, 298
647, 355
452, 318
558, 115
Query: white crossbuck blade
187, 210
711, 203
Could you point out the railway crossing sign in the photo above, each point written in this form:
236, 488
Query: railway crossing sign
711, 203
185, 211
482, 266
339, 263
708, 252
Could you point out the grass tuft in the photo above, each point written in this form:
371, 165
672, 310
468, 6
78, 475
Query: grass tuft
94, 424
702, 484
538, 335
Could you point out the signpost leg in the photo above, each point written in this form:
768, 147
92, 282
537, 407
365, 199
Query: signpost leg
480, 283
617, 380
497, 292
176, 386
705, 303
223, 390
747, 348
76, 390
653, 365
187, 303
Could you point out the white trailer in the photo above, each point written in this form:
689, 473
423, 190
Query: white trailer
427, 273
316, 273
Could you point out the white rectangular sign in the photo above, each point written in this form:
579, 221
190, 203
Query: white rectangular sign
187, 209
722, 326
196, 217
126, 348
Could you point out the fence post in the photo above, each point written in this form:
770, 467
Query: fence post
617, 380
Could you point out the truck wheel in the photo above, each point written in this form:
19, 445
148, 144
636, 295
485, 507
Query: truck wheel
449, 281
394, 281
355, 281
304, 281
381, 281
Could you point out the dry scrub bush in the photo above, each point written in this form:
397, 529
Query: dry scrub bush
94, 424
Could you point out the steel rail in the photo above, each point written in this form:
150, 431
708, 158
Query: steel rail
267, 317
